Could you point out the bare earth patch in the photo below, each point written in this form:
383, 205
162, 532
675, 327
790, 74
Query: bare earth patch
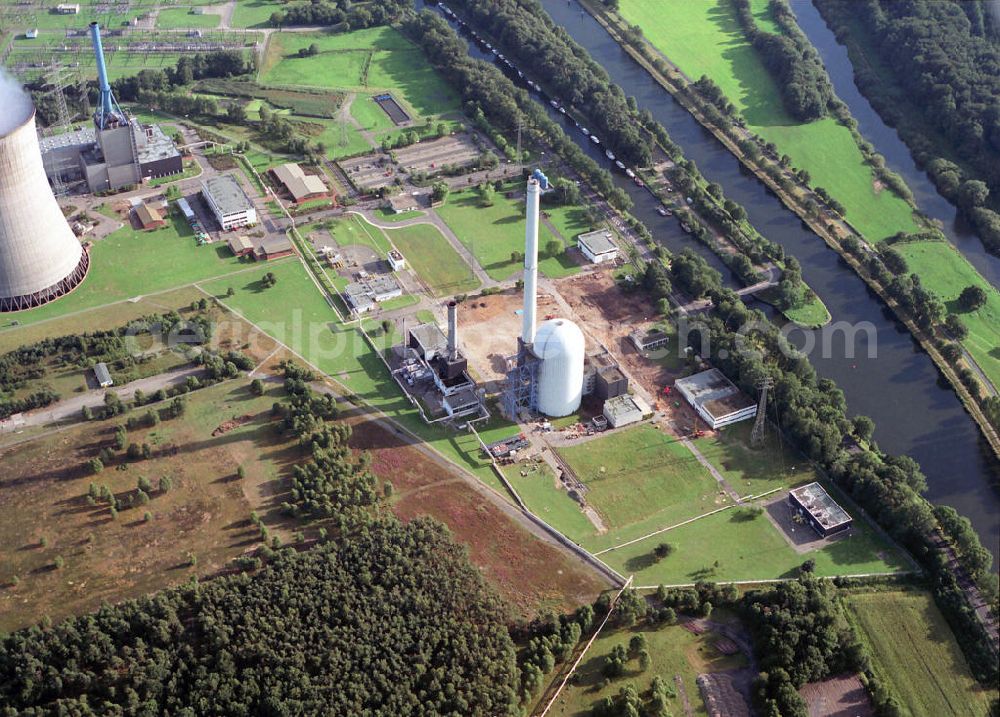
841, 696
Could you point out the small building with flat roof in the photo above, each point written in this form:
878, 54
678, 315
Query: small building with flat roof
428, 340
240, 245
625, 409
103, 376
303, 187
650, 340
715, 398
367, 291
229, 203
813, 504
396, 260
598, 246
404, 202
68, 9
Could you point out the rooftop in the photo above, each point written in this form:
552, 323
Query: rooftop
153, 144
598, 242
85, 135
274, 244
239, 244
400, 202
102, 374
430, 337
824, 509
624, 404
714, 392
227, 194
147, 215
297, 182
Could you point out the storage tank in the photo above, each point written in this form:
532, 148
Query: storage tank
560, 346
40, 258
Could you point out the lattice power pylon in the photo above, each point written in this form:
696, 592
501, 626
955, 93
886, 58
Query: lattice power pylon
760, 425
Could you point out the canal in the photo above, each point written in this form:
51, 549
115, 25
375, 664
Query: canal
887, 377
887, 142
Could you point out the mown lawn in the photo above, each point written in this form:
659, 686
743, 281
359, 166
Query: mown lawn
553, 505
915, 652
369, 115
130, 263
705, 38
434, 260
729, 546
183, 18
493, 233
945, 272
254, 13
642, 473
673, 651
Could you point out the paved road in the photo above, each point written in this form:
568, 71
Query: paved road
72, 408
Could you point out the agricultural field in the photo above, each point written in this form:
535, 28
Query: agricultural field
945, 272
129, 263
365, 61
676, 655
493, 233
434, 260
915, 652
693, 36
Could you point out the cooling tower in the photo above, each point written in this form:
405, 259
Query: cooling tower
40, 258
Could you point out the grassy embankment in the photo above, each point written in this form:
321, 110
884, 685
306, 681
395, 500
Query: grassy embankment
705, 38
915, 652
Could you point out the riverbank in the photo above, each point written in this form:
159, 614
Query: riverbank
831, 228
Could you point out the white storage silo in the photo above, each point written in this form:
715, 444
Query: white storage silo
560, 347
40, 258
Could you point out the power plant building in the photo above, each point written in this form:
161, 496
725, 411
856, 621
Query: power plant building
547, 375
40, 257
715, 398
598, 246
229, 203
116, 152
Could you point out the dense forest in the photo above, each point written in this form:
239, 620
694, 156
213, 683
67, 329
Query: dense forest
796, 66
393, 621
942, 92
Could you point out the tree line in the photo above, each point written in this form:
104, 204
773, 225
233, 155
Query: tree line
394, 620
791, 59
343, 14
942, 94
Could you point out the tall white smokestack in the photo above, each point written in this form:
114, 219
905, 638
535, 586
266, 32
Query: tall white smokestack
452, 330
40, 259
530, 319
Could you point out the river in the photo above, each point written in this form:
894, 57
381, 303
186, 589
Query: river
915, 412
886, 140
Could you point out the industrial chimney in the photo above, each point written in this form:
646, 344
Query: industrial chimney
452, 330
536, 184
40, 258
108, 113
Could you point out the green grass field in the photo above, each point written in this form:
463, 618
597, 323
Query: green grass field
915, 652
183, 18
945, 272
254, 13
375, 59
354, 230
493, 233
569, 221
642, 473
437, 264
553, 505
673, 651
369, 115
128, 263
705, 38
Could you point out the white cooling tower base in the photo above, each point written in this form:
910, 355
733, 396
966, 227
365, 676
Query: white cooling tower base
38, 298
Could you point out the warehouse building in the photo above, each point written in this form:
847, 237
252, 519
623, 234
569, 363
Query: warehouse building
716, 399
651, 340
625, 409
274, 247
301, 186
813, 504
228, 202
598, 246
368, 290
148, 217
103, 376
240, 245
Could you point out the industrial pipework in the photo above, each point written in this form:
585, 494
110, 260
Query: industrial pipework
108, 112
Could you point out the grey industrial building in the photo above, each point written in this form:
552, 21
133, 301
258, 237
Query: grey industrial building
229, 203
812, 503
109, 159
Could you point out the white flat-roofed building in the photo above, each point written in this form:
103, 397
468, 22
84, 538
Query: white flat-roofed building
625, 409
229, 203
598, 246
396, 260
716, 399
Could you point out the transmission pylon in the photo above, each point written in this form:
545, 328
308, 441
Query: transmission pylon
760, 425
